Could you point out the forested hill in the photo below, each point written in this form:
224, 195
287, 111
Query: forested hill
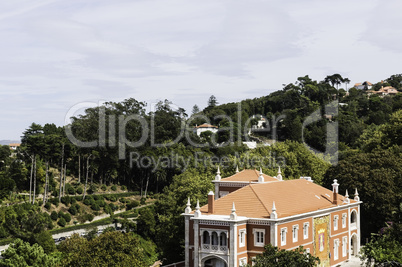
158, 151
357, 111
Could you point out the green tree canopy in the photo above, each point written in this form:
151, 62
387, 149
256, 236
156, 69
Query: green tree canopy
106, 250
274, 256
22, 254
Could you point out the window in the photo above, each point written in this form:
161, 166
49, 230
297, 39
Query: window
214, 239
344, 246
253, 261
295, 233
242, 237
259, 235
206, 238
223, 240
305, 230
353, 219
283, 236
243, 261
336, 222
307, 250
336, 249
344, 218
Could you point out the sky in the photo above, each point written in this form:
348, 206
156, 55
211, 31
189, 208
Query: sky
58, 57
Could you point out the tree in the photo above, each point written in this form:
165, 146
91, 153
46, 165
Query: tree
378, 177
193, 183
196, 109
106, 250
146, 223
21, 253
395, 81
384, 249
274, 256
212, 102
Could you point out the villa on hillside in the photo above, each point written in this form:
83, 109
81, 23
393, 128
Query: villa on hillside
384, 91
14, 146
204, 128
363, 86
251, 209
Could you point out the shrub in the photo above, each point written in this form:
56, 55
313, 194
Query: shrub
67, 217
112, 198
73, 200
123, 187
97, 197
123, 200
112, 206
92, 189
95, 207
108, 210
90, 217
62, 222
54, 201
66, 200
114, 188
143, 199
103, 187
61, 214
70, 190
132, 204
77, 206
78, 198
72, 210
101, 203
87, 201
48, 205
79, 190
54, 216
55, 193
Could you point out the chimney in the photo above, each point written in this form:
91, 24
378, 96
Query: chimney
335, 192
211, 202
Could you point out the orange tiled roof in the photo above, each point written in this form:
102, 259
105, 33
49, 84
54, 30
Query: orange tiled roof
291, 197
205, 125
15, 144
248, 176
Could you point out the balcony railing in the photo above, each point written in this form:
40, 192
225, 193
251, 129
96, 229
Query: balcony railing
214, 248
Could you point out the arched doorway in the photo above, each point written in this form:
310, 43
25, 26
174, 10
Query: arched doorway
214, 262
353, 245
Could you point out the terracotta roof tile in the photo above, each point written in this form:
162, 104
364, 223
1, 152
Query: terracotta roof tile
205, 125
291, 197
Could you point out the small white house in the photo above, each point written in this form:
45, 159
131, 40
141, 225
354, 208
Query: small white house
204, 128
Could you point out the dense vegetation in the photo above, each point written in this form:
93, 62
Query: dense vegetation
120, 144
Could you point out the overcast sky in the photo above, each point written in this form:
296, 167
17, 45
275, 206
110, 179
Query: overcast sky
57, 54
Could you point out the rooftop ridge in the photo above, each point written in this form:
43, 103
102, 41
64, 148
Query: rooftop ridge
252, 189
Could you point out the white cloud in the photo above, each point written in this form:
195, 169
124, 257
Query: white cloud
55, 54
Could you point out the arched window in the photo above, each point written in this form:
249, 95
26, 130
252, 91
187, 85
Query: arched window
205, 238
223, 239
353, 217
215, 238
